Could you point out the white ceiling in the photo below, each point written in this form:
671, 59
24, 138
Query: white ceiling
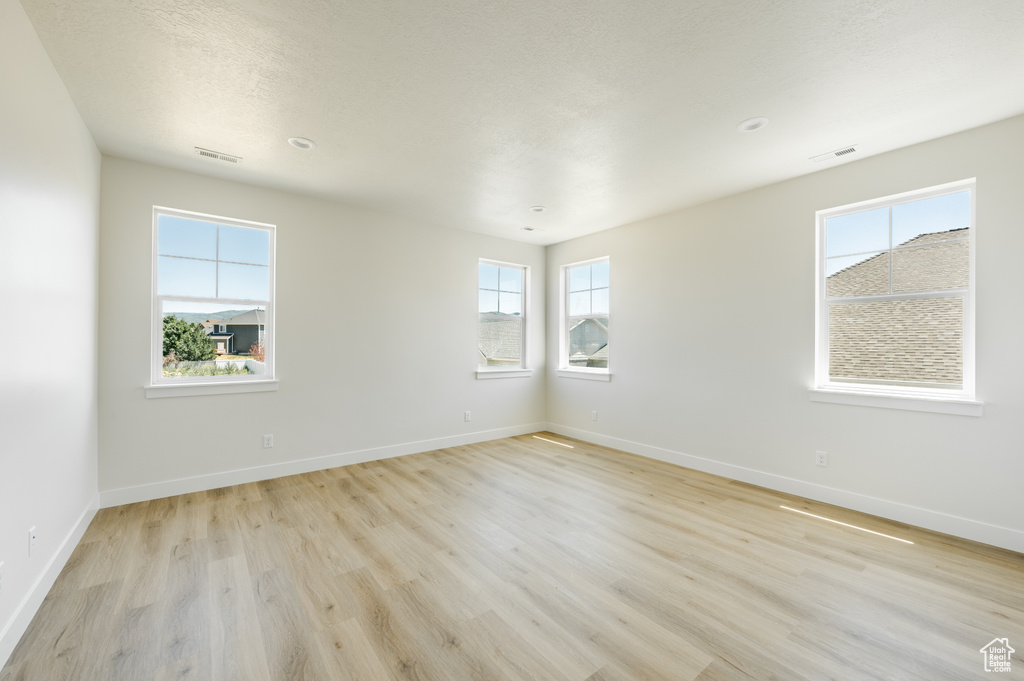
467, 112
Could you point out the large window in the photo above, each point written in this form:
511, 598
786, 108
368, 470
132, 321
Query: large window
895, 295
584, 344
501, 323
213, 299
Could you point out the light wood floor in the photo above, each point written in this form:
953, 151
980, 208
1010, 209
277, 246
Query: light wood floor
515, 559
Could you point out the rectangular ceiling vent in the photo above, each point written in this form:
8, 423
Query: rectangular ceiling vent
217, 155
838, 153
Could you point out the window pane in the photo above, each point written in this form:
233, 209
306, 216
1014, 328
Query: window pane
488, 301
599, 275
186, 237
588, 343
183, 277
511, 280
489, 276
599, 301
208, 340
248, 282
579, 303
238, 244
857, 232
898, 342
939, 215
931, 268
499, 340
511, 303
579, 278
857, 275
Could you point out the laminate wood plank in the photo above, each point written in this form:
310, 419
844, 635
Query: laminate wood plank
192, 668
549, 639
222, 529
510, 652
148, 564
292, 654
351, 655
388, 637
234, 627
96, 618
441, 649
133, 655
603, 623
183, 624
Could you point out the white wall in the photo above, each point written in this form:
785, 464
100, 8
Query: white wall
49, 197
712, 347
376, 341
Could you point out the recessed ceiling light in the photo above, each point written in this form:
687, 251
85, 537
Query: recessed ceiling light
301, 142
537, 209
752, 124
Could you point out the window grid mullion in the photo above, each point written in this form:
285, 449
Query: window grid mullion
216, 282
910, 295
890, 249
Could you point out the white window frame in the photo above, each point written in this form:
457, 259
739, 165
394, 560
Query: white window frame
962, 402
159, 386
523, 370
564, 369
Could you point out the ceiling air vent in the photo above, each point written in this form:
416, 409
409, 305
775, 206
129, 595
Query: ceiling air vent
838, 153
217, 155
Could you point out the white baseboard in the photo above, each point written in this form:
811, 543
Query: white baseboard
15, 628
167, 488
994, 535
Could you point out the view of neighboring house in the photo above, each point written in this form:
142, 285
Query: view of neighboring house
235, 335
588, 343
926, 346
499, 339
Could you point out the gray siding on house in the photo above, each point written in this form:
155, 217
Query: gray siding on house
245, 336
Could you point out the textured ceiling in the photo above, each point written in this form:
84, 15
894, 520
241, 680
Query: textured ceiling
467, 112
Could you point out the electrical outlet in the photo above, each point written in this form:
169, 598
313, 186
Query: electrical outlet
31, 541
469, 416
268, 441
593, 415
821, 458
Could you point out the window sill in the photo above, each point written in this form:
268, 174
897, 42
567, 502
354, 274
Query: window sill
503, 373
936, 405
192, 389
591, 375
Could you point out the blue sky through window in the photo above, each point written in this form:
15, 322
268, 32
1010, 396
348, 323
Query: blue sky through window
588, 289
868, 232
500, 289
202, 259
